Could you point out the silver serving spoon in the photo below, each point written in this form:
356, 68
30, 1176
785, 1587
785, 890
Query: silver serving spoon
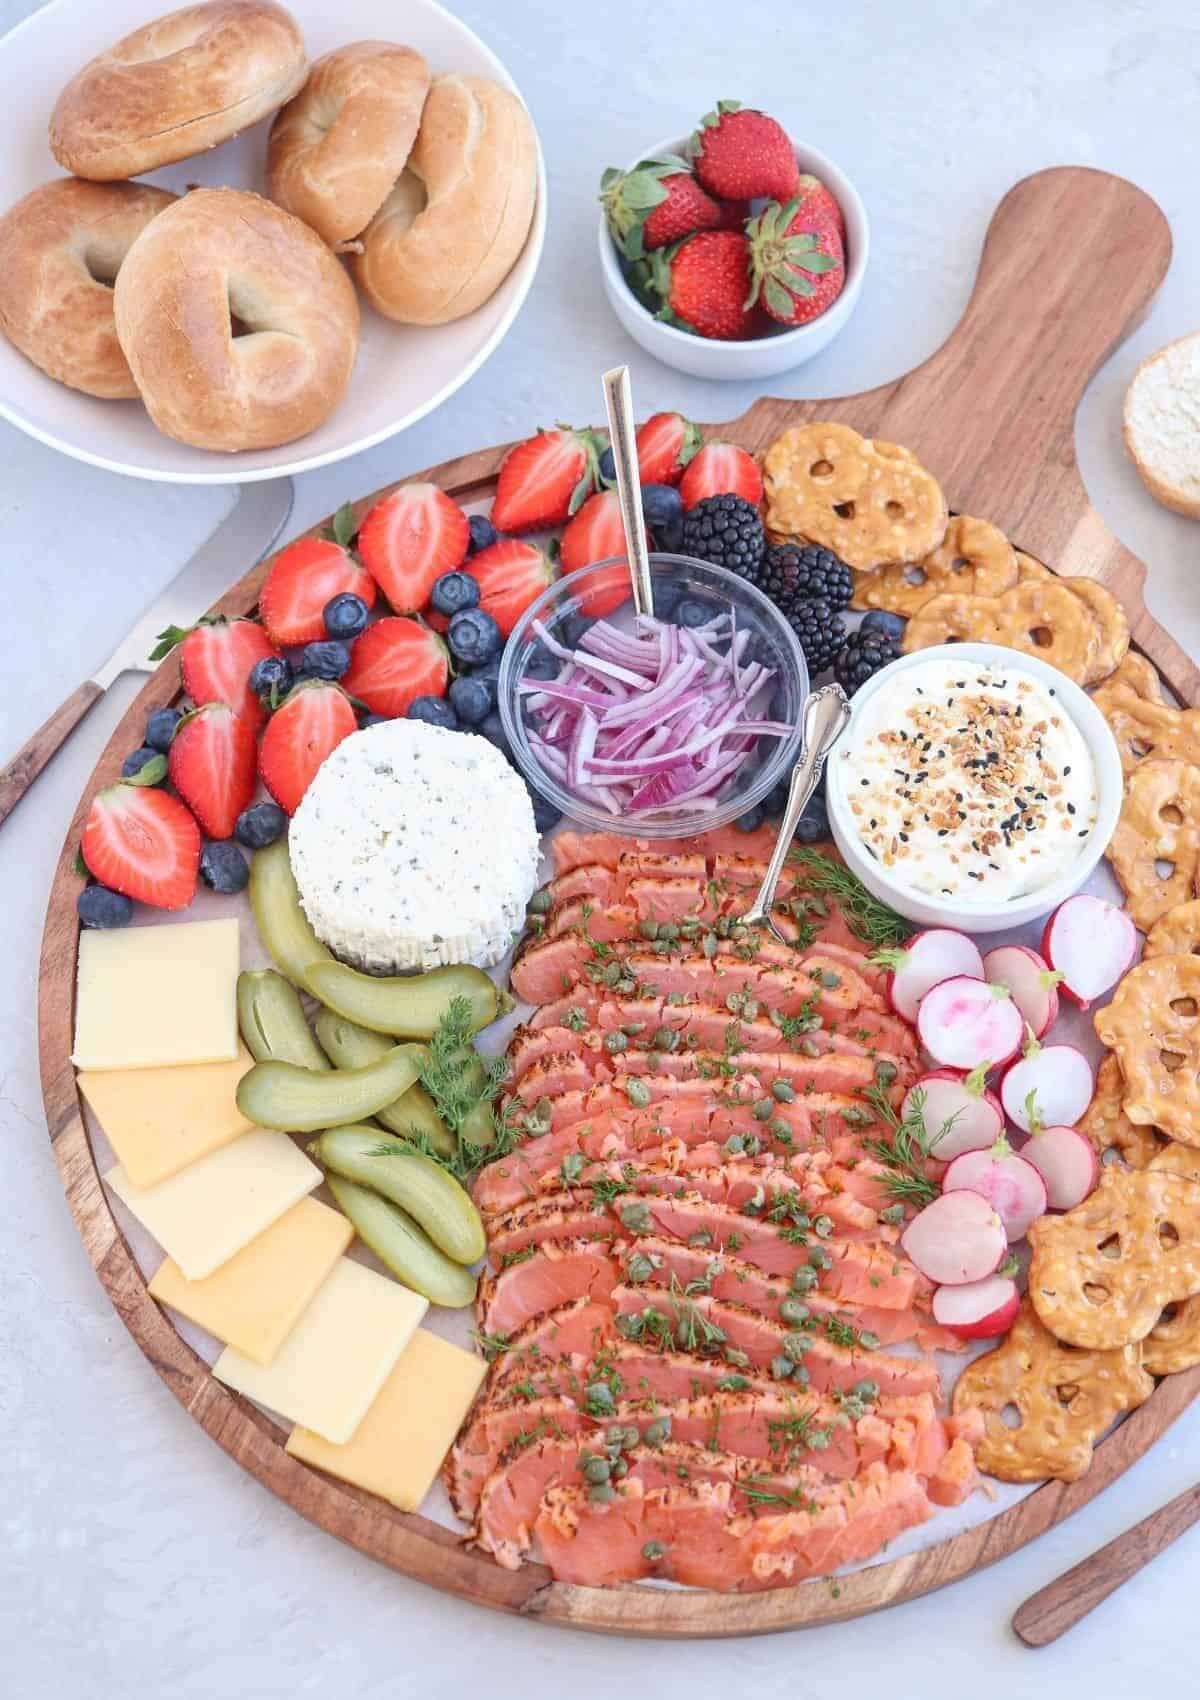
618, 402
824, 719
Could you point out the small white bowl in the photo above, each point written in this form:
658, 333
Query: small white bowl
760, 357
983, 917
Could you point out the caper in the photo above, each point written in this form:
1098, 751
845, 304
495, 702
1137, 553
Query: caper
804, 1279
818, 1440
597, 1470
763, 1110
781, 1368
791, 1310
783, 1091
540, 903
572, 1166
800, 1374
823, 1227
639, 1268
600, 1395
709, 945
867, 1390
826, 977
653, 1551
819, 1257
648, 929
638, 1093
796, 1346
615, 1043
809, 1048
868, 1341
620, 1468
658, 1431
665, 1039
857, 1115
885, 1072
734, 1145
778, 1128
602, 1492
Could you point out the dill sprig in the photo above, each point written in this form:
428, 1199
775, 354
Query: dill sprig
758, 1492
462, 1085
906, 1149
866, 916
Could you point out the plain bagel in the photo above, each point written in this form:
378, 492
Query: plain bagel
337, 149
451, 229
177, 86
239, 325
61, 248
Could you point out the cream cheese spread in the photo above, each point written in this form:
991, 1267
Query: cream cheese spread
969, 781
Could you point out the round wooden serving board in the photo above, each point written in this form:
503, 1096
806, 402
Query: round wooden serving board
1071, 260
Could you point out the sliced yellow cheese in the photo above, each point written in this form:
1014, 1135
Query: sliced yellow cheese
151, 997
398, 1447
255, 1300
331, 1366
158, 1120
206, 1213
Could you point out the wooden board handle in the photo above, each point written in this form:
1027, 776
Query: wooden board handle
1063, 1603
33, 756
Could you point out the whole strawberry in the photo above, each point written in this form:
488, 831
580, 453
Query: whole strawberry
655, 204
740, 154
702, 285
797, 258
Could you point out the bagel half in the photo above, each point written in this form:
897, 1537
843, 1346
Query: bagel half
61, 248
177, 86
336, 149
451, 230
1162, 406
239, 325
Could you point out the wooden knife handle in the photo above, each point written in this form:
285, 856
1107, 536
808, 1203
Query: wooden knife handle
1058, 1607
33, 756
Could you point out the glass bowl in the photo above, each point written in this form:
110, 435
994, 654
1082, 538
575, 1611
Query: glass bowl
567, 602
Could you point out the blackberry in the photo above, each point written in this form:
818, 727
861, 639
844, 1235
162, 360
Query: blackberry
820, 631
726, 530
860, 658
790, 573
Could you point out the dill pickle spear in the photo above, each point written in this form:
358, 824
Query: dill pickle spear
414, 1114
409, 1006
401, 1246
273, 1023
282, 923
397, 1170
299, 1100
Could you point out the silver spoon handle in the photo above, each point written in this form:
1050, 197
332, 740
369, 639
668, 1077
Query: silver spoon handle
825, 715
618, 402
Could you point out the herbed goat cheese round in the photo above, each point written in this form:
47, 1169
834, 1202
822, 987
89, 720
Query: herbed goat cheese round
415, 847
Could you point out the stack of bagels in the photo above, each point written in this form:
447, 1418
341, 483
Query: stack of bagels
234, 315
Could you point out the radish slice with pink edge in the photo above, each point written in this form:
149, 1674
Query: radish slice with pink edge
1034, 985
958, 1112
939, 953
1067, 1162
965, 1023
978, 1310
1048, 1086
1013, 1187
1090, 943
957, 1238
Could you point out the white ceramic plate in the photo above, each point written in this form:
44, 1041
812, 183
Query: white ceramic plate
403, 371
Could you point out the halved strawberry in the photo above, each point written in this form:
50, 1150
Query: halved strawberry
393, 663
596, 534
409, 539
305, 576
215, 658
143, 842
211, 765
721, 469
665, 445
544, 480
307, 726
510, 575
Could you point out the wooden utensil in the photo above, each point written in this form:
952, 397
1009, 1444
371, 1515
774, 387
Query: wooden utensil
1066, 1601
618, 403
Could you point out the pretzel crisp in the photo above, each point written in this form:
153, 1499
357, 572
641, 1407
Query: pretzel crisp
1065, 1400
1153, 1026
1105, 1123
1155, 850
1028, 567
1145, 727
974, 558
1177, 933
871, 502
1102, 1273
1174, 1341
1041, 617
1113, 622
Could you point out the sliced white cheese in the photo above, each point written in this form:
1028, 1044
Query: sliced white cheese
152, 997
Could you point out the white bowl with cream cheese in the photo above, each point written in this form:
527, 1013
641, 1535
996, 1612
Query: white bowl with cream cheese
975, 787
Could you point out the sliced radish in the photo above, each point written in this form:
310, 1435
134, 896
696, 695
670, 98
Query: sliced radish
979, 1310
1067, 1162
1013, 1187
1034, 986
1090, 943
957, 1238
1048, 1086
958, 1111
965, 1023
937, 954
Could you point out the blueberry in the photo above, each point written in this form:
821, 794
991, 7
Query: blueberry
662, 509
540, 664
608, 467
472, 698
692, 612
666, 598
259, 825
138, 759
345, 615
223, 866
160, 728
374, 720
483, 534
751, 820
328, 659
491, 669
775, 801
545, 815
453, 593
573, 628
886, 625
271, 678
493, 730
814, 822
100, 907
434, 712
474, 637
